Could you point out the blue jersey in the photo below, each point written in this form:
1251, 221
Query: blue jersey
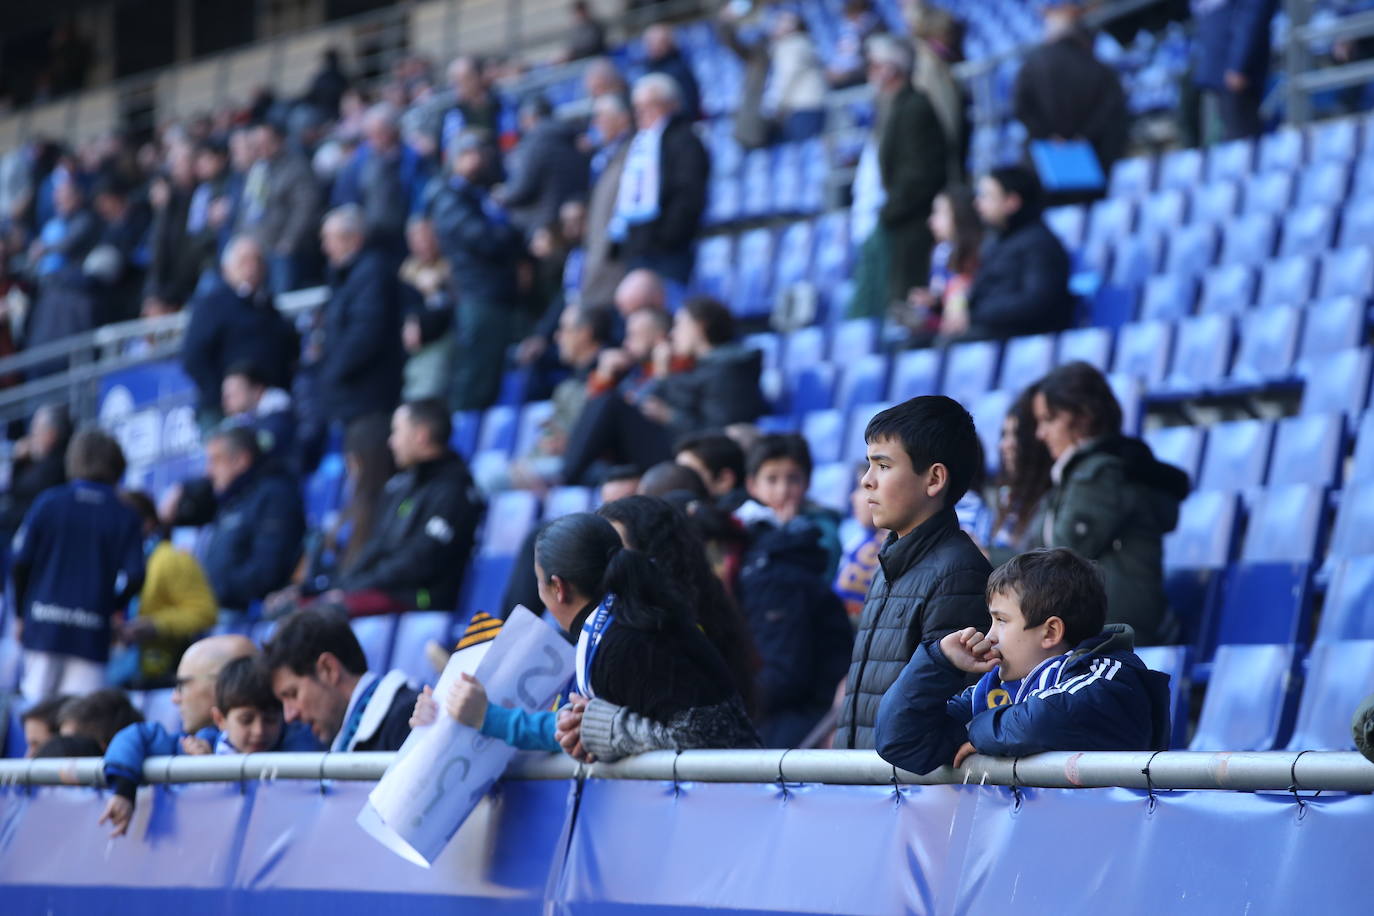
77, 557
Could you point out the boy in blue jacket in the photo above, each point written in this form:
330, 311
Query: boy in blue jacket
1054, 679
248, 720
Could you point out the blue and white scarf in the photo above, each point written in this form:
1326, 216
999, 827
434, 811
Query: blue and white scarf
636, 201
589, 641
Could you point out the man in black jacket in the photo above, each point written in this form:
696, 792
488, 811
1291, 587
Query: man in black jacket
361, 358
237, 323
319, 673
546, 169
426, 524
663, 185
1022, 283
39, 463
931, 576
662, 55
483, 249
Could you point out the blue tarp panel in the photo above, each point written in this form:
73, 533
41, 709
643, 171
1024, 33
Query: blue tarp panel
652, 847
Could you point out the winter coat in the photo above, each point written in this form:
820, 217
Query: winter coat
361, 358
722, 388
481, 245
1113, 504
1064, 91
133, 744
799, 627
546, 171
1022, 283
255, 539
928, 584
1097, 697
911, 158
602, 268
227, 329
685, 169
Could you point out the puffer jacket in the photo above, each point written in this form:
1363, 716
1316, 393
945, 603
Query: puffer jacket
1113, 503
928, 584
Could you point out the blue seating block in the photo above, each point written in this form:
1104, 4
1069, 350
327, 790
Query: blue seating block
1333, 326
1090, 345
970, 370
1142, 350
1162, 212
1281, 150
1326, 183
1068, 224
1336, 382
794, 255
1333, 141
1025, 361
498, 431
466, 424
1308, 450
1180, 446
1249, 240
413, 632
1362, 464
1246, 699
1216, 202
824, 432
1237, 455
1173, 661
1181, 169
1348, 612
1233, 159
1202, 354
562, 501
1309, 230
714, 272
852, 339
510, 516
533, 418
1111, 219
1229, 289
753, 293
855, 448
376, 635
1287, 281
1353, 535
1168, 297
1268, 344
1270, 192
862, 380
831, 485
1348, 272
1132, 177
1339, 676
805, 347
917, 372
1192, 249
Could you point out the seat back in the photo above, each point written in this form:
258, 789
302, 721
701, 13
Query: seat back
1237, 455
1339, 676
1349, 600
1247, 693
970, 370
1308, 450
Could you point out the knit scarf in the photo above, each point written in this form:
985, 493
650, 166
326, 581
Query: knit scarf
636, 201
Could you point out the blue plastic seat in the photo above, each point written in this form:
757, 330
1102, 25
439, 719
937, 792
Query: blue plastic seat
794, 255
831, 485
1232, 159
1202, 353
1270, 192
1168, 297
376, 635
714, 274
754, 275
1192, 249
1347, 612
1349, 272
916, 373
1309, 230
833, 252
15, 747
855, 448
805, 347
970, 370
1362, 464
1281, 150
853, 339
1180, 446
1332, 326
1135, 258
1181, 169
510, 516
824, 431
1333, 141
1111, 219
1026, 360
1173, 661
1287, 281
1357, 219
813, 388
414, 631
863, 379
1215, 203
723, 200
484, 586
1068, 224
1089, 345
758, 183
1308, 450
988, 412
770, 345
1196, 556
1268, 344
1284, 526
324, 490
1142, 350
1162, 212
1336, 382
1339, 676
1237, 455
1353, 533
563, 501
466, 424
788, 179
1247, 694
1132, 177
515, 385
498, 431
1249, 240
533, 418
815, 173
1326, 183
1228, 290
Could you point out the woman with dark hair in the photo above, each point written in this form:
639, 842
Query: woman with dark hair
1110, 499
647, 677
667, 537
1022, 481
720, 388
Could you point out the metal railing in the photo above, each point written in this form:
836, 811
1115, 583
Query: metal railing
1249, 772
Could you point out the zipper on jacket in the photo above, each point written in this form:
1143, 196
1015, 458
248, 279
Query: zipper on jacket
863, 664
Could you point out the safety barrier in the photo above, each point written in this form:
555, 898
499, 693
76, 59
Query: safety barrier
782, 832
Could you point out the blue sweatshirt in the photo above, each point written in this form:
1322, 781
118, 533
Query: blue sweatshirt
134, 744
528, 731
1098, 697
78, 557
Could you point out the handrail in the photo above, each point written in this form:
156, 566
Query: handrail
1248, 772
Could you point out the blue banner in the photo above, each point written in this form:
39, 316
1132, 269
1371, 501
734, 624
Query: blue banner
151, 411
654, 847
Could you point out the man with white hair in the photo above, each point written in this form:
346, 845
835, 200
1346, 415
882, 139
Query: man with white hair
662, 191
236, 322
360, 358
385, 178
901, 170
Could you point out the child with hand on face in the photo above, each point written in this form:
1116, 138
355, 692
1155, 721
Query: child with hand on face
1053, 677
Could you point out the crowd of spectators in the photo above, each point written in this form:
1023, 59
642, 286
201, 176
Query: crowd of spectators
457, 232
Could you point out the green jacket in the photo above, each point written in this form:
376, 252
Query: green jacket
1113, 504
911, 158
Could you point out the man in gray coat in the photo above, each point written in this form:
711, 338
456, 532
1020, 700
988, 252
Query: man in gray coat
281, 207
602, 269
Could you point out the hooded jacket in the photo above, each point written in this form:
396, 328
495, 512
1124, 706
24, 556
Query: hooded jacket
799, 626
721, 389
362, 359
256, 538
928, 584
1113, 503
1022, 284
1097, 697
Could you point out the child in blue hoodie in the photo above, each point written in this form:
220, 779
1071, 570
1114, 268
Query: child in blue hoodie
1053, 677
248, 720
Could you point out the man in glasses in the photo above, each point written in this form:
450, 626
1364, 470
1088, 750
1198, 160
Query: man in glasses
195, 685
